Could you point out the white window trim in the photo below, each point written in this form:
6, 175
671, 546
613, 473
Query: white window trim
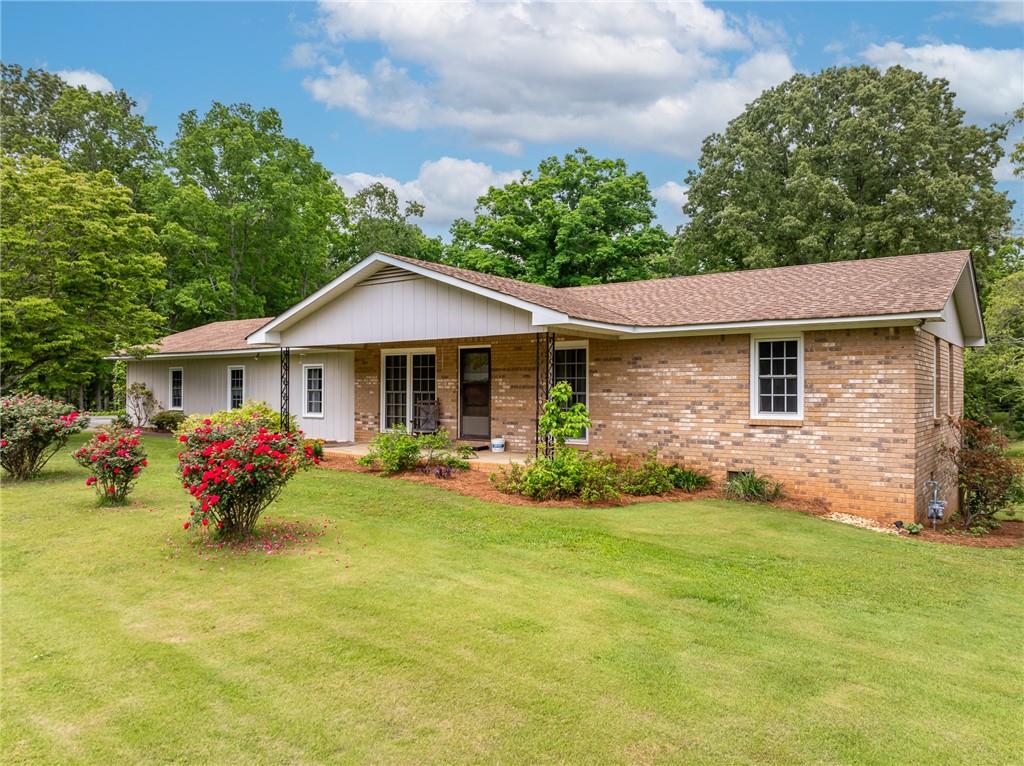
170, 388
567, 344
245, 382
755, 405
305, 391
409, 353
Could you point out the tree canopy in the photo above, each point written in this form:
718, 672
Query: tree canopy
847, 163
249, 222
578, 220
42, 115
376, 221
80, 271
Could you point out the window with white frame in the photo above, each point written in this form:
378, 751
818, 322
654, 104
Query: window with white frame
236, 387
571, 367
409, 377
314, 390
176, 385
776, 378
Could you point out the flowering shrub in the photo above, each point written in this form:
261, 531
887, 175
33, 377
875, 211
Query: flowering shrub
235, 470
115, 457
254, 413
32, 430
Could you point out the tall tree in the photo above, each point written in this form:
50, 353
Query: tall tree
80, 268
41, 114
579, 220
378, 223
249, 221
848, 163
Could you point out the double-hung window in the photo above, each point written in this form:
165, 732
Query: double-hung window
176, 386
571, 367
236, 387
776, 378
313, 376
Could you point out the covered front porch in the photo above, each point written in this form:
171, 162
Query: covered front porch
478, 389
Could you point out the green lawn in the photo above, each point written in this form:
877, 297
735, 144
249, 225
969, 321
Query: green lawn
426, 627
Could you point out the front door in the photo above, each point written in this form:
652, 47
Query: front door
475, 393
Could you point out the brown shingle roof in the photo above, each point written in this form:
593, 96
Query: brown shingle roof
216, 336
879, 286
558, 299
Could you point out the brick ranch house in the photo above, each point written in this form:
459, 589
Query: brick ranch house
834, 378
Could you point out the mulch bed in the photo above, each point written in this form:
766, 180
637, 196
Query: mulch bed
476, 483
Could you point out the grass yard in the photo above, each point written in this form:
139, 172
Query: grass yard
429, 627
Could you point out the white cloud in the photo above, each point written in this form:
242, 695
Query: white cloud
671, 197
448, 188
999, 13
653, 75
91, 80
989, 82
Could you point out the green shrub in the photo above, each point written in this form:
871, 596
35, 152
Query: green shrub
393, 451
747, 485
687, 479
648, 477
913, 527
257, 414
439, 451
32, 430
168, 420
569, 473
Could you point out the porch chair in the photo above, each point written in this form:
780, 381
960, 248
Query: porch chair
426, 416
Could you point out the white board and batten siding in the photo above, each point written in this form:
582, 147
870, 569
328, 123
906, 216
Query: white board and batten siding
205, 386
394, 305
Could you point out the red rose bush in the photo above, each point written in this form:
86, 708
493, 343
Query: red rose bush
32, 430
233, 471
115, 457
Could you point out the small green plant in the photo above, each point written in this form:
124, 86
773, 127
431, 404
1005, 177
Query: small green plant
168, 420
687, 479
563, 420
747, 485
392, 451
913, 528
649, 477
439, 451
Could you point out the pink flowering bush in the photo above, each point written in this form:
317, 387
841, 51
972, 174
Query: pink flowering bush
32, 430
235, 470
115, 457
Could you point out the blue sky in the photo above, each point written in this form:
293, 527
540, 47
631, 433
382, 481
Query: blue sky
442, 100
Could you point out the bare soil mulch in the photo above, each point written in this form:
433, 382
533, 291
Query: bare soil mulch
476, 483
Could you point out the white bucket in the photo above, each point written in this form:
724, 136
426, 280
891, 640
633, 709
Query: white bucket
498, 444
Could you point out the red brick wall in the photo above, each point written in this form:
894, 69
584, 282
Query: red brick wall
853, 451
865, 445
931, 426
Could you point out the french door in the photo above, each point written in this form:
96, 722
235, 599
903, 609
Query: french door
408, 379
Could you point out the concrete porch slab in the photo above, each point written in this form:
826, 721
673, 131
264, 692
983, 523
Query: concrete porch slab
482, 457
